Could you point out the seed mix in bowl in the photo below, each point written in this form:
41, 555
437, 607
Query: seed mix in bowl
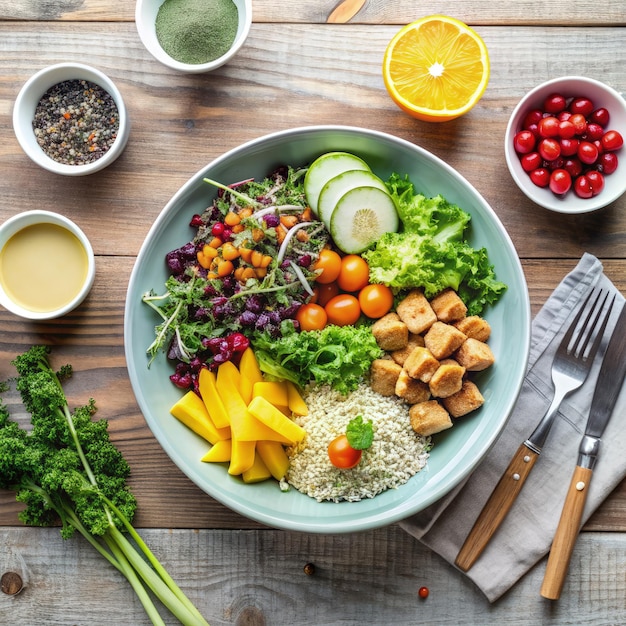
396, 454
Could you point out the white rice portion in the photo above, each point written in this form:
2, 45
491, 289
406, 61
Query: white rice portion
396, 454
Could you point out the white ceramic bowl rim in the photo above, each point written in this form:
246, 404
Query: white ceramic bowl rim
145, 17
28, 218
569, 86
30, 95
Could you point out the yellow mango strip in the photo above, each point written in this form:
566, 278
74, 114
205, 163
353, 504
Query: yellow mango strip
219, 452
243, 425
274, 457
257, 473
295, 402
190, 410
242, 456
274, 392
269, 415
212, 400
250, 373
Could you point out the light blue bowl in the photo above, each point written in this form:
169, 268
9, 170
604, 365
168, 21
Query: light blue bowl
456, 452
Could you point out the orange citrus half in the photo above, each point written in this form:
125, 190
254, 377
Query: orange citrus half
436, 68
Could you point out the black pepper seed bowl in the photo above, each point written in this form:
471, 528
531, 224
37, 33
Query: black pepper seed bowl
146, 12
71, 140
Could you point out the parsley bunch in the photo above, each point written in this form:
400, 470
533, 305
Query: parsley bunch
65, 469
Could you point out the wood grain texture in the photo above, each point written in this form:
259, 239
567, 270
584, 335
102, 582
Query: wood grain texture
256, 578
482, 12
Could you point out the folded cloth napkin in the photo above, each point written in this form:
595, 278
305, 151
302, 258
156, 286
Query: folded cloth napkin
526, 534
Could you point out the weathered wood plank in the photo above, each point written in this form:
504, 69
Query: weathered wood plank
584, 12
180, 122
257, 578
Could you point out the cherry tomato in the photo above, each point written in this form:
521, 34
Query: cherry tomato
423, 592
596, 180
567, 130
608, 162
311, 317
587, 152
342, 454
343, 310
540, 177
548, 126
612, 140
560, 182
354, 273
554, 103
580, 123
549, 149
524, 142
375, 300
584, 106
600, 116
569, 147
324, 292
330, 264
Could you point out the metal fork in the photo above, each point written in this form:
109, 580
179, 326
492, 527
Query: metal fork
570, 368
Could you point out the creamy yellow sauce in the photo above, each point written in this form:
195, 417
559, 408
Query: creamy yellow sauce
43, 267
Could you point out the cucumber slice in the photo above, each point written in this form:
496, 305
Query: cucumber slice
361, 217
336, 187
326, 167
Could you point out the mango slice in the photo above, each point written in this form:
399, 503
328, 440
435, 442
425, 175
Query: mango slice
270, 416
207, 382
241, 457
250, 374
257, 473
295, 402
274, 457
219, 452
274, 392
192, 412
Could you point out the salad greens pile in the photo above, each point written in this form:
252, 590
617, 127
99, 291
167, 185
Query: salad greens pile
65, 469
431, 252
338, 356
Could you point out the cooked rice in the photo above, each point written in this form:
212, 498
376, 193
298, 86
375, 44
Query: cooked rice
396, 454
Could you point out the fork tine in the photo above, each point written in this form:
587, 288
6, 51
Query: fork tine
588, 329
600, 334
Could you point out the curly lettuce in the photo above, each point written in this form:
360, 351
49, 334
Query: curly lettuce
431, 252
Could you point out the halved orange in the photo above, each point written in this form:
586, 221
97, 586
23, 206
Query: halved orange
436, 69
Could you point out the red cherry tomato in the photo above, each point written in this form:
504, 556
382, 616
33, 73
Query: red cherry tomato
343, 310
580, 123
423, 592
524, 142
330, 264
375, 300
588, 152
324, 292
569, 147
548, 126
342, 454
612, 140
311, 317
549, 149
354, 273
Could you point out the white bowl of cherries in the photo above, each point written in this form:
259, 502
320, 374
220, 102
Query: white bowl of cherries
563, 144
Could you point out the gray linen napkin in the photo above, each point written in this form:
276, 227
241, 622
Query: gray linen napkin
526, 534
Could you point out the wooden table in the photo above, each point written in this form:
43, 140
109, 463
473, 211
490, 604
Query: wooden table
294, 70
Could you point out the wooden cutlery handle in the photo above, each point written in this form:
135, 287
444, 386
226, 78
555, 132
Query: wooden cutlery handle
497, 507
566, 533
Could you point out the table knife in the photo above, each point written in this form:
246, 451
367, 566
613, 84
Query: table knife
607, 390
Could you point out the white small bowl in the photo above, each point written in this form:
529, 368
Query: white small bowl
29, 97
21, 221
569, 86
145, 19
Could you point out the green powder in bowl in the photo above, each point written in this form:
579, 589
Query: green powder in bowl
196, 31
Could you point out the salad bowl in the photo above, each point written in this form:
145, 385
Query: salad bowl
456, 452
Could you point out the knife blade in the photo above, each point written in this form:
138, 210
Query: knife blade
608, 387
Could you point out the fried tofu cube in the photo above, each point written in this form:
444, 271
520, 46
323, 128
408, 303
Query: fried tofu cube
401, 355
448, 306
415, 311
428, 418
383, 376
443, 339
421, 364
465, 401
474, 326
411, 390
390, 332
447, 380
475, 355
